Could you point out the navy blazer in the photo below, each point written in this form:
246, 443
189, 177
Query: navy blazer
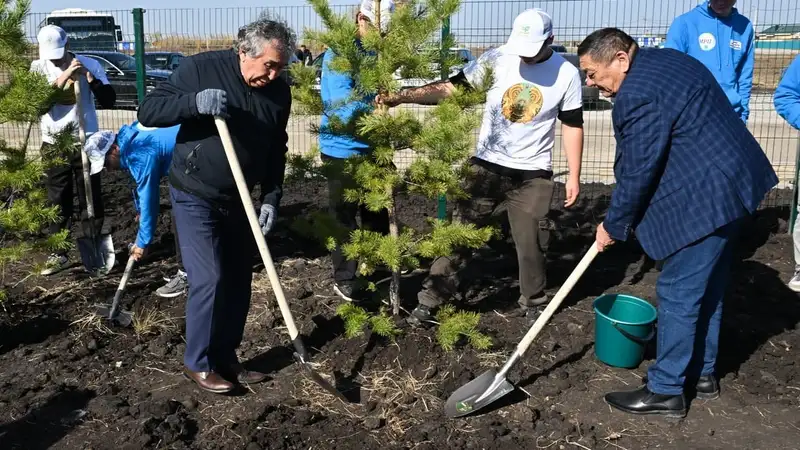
685, 163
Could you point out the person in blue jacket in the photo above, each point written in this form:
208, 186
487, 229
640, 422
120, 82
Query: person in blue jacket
716, 34
336, 89
787, 104
146, 153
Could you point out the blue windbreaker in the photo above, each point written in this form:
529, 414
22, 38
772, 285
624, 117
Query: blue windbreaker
725, 45
787, 95
146, 153
336, 89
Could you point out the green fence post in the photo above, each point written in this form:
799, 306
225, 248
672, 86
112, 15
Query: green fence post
138, 37
793, 206
442, 210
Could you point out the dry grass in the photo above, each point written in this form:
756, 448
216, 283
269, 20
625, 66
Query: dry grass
398, 392
92, 322
149, 321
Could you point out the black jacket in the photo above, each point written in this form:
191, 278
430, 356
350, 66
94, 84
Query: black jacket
257, 123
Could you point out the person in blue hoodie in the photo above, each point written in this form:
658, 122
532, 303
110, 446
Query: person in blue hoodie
336, 89
146, 153
787, 104
724, 41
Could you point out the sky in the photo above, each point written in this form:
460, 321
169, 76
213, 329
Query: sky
478, 22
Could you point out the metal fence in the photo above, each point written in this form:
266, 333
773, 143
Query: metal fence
480, 25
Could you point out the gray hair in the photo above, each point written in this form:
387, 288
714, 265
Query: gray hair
252, 37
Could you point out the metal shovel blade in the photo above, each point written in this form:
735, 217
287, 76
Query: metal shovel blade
309, 371
119, 317
477, 393
91, 255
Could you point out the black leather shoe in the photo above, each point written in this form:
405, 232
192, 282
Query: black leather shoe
707, 387
642, 401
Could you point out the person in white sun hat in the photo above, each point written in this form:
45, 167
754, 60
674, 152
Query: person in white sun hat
532, 86
145, 153
63, 69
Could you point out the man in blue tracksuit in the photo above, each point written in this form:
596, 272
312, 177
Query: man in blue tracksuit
146, 153
724, 41
336, 89
787, 103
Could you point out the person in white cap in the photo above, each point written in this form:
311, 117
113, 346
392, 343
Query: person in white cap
145, 153
62, 68
336, 89
532, 86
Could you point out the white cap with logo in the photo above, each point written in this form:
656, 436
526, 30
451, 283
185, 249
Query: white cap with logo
531, 28
367, 8
52, 40
97, 145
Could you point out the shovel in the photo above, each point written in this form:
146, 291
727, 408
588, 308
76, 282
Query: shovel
114, 315
97, 252
300, 354
492, 385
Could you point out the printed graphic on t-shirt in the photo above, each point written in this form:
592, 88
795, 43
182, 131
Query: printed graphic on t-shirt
522, 102
707, 41
736, 45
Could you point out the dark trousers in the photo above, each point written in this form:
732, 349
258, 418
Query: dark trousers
59, 185
690, 290
346, 213
527, 203
177, 242
216, 244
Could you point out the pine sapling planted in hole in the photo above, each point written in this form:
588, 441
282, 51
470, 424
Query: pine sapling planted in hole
440, 140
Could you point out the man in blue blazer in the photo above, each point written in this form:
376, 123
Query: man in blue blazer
687, 171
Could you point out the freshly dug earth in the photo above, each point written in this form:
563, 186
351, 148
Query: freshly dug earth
69, 382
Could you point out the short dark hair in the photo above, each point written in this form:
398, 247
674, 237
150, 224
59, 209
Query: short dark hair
603, 44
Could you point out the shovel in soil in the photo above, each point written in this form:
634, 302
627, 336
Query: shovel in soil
492, 385
114, 314
300, 354
97, 252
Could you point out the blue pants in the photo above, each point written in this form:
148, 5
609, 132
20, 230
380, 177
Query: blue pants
690, 289
216, 244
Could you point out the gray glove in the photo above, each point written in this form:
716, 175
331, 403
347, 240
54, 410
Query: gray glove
213, 102
267, 218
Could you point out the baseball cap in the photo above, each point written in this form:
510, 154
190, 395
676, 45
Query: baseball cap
367, 8
52, 40
531, 28
97, 145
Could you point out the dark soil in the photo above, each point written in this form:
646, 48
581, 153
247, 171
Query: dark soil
69, 384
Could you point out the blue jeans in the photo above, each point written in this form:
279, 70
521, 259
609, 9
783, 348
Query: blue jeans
690, 290
216, 244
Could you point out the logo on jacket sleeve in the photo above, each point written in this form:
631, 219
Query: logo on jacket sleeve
736, 45
707, 41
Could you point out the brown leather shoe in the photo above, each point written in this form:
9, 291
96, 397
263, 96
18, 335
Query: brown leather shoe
242, 375
209, 381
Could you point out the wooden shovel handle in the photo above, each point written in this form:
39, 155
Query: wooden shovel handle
87, 182
562, 293
247, 203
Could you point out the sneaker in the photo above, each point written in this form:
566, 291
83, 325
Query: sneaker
794, 283
174, 287
55, 263
421, 316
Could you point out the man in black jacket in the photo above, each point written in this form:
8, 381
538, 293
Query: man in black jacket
243, 86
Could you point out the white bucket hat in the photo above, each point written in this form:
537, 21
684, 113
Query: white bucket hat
97, 145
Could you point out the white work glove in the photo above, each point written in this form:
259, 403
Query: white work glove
267, 218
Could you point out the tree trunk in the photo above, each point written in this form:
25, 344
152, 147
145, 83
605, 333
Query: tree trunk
394, 287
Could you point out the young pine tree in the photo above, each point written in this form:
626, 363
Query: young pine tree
441, 140
24, 97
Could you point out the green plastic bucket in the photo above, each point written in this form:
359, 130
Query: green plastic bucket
623, 326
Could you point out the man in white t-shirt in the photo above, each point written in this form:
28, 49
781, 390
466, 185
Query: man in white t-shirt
532, 86
63, 68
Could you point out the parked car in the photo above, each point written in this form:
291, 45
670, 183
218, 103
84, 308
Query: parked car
163, 60
121, 72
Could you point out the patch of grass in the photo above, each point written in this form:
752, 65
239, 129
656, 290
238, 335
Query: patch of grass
150, 321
